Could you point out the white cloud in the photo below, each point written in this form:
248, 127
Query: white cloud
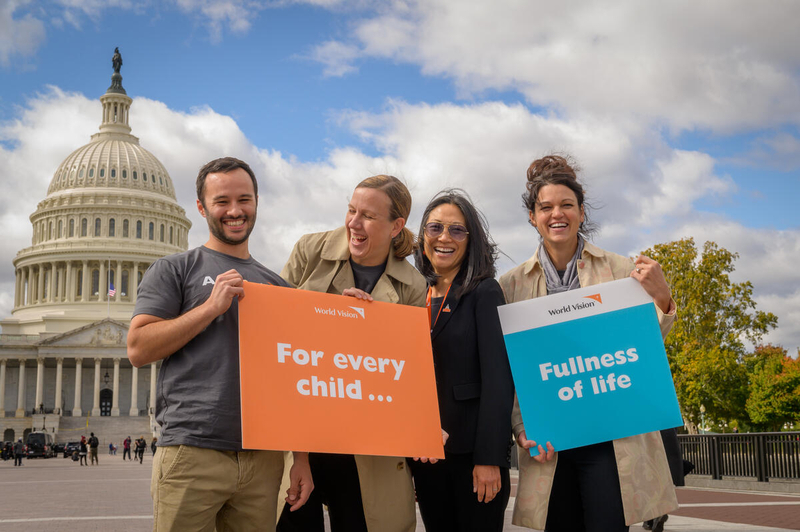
719, 65
779, 150
18, 36
483, 148
217, 14
336, 57
681, 180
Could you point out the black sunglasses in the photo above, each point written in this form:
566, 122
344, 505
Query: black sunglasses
457, 231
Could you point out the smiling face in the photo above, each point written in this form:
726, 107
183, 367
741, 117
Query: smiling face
445, 253
369, 228
229, 207
557, 216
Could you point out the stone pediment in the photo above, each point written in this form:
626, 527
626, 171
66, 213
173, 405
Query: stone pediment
106, 332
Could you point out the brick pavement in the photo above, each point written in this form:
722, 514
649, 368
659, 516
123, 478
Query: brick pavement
58, 494
780, 511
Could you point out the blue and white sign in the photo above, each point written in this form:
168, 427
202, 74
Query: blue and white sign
589, 365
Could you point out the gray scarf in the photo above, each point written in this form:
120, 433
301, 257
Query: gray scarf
556, 284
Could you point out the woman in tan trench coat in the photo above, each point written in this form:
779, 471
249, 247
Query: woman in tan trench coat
366, 256
607, 486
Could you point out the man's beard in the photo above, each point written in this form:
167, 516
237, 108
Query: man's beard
217, 229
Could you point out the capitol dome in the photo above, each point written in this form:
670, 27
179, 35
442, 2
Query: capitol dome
110, 211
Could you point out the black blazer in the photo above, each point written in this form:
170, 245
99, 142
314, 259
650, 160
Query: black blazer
473, 377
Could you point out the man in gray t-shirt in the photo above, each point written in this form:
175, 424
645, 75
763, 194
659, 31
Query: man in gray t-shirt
187, 315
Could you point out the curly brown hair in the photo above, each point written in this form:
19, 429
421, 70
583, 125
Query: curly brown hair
556, 170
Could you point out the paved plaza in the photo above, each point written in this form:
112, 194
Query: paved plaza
57, 494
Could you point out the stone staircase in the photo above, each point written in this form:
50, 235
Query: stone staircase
107, 429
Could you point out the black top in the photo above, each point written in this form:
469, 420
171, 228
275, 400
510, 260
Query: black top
366, 277
473, 376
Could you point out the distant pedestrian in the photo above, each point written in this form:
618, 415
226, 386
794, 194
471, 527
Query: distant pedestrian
83, 451
153, 445
126, 448
19, 451
93, 444
141, 445
111, 448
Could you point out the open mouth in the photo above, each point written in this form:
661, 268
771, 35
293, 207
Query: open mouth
234, 223
444, 251
559, 225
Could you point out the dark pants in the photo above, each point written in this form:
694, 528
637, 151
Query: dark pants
335, 485
18, 459
126, 452
447, 502
586, 494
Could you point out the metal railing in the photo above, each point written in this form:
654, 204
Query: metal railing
762, 456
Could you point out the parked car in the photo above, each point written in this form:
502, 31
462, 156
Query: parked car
71, 447
39, 444
58, 448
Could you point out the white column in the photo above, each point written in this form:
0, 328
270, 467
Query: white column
69, 284
59, 373
76, 408
133, 282
40, 285
39, 383
103, 284
118, 282
21, 393
153, 376
115, 391
16, 287
22, 299
3, 388
31, 286
96, 394
51, 292
134, 392
86, 283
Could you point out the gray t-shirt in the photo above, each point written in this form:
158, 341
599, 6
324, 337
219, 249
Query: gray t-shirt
198, 401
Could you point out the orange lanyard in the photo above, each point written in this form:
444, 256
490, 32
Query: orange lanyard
428, 304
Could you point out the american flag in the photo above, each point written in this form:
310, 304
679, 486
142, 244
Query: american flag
111, 290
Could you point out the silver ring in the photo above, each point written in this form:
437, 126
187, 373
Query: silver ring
638, 270
494, 489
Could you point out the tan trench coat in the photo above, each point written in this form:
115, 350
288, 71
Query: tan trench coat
320, 262
644, 476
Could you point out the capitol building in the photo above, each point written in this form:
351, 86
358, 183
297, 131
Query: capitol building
110, 211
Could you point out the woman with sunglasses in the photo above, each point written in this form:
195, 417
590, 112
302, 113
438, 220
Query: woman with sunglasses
469, 489
607, 486
365, 258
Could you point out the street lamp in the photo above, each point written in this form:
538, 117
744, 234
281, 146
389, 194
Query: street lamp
702, 419
106, 378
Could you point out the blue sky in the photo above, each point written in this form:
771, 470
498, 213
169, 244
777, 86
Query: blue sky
684, 118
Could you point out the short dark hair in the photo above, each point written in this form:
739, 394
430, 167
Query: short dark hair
556, 170
222, 165
479, 260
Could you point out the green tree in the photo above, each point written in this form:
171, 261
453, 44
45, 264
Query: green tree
706, 347
774, 388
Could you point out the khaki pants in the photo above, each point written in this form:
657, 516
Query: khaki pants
199, 489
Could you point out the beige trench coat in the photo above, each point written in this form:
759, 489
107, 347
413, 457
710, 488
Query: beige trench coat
644, 476
320, 262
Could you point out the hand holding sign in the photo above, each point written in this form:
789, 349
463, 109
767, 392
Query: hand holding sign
328, 373
593, 357
541, 457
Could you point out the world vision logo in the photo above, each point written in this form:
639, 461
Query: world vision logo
581, 305
353, 313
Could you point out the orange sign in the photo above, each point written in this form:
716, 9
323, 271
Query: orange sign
335, 374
